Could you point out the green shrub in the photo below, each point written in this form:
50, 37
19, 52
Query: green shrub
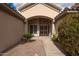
68, 33
27, 37
54, 38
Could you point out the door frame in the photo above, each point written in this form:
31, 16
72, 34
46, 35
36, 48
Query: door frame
35, 34
44, 30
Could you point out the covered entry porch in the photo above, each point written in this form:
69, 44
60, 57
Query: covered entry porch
40, 26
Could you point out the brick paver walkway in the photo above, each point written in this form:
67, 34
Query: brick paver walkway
34, 48
50, 47
41, 47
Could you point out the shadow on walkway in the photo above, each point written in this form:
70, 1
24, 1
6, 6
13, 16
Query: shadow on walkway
60, 48
15, 45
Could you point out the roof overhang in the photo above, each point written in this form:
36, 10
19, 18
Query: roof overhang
65, 12
49, 5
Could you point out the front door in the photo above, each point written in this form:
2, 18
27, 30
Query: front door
44, 30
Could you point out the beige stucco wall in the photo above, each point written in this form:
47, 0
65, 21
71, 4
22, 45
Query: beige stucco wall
57, 24
11, 30
40, 10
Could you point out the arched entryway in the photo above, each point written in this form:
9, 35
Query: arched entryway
40, 25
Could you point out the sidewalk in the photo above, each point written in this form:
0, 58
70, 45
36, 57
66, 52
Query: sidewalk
34, 48
42, 46
50, 47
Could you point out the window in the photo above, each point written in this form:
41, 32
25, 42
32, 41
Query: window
33, 29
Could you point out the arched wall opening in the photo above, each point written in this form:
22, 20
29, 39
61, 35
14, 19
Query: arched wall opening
39, 25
